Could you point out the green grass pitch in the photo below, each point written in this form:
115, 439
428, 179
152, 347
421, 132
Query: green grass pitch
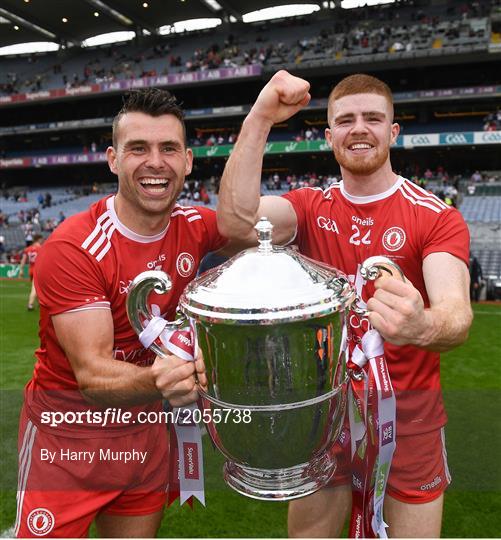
471, 377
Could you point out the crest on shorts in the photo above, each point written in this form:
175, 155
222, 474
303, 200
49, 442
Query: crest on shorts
41, 521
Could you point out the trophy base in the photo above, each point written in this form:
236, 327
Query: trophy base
280, 484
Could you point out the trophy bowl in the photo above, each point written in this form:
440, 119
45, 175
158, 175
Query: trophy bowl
269, 324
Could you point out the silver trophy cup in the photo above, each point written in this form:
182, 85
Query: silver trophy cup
269, 325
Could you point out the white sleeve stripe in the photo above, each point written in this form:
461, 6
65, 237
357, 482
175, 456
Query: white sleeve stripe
98, 244
90, 308
103, 252
107, 247
93, 234
94, 305
420, 203
105, 234
194, 218
426, 197
414, 189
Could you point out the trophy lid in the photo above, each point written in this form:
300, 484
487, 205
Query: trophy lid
266, 285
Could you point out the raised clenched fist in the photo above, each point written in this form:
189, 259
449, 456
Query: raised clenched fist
281, 98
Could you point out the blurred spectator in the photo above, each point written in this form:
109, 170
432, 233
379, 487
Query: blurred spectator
492, 122
14, 256
2, 249
476, 279
476, 177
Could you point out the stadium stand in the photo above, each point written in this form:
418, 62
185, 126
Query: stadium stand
385, 35
441, 59
432, 100
482, 209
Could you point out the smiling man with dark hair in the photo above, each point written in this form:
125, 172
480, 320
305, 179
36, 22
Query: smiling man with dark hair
90, 358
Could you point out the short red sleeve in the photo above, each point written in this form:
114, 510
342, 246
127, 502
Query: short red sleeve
449, 234
300, 203
213, 240
67, 278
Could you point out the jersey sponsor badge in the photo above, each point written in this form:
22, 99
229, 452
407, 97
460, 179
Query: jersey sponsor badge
185, 264
394, 238
41, 521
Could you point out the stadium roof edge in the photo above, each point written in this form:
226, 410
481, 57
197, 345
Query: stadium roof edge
69, 22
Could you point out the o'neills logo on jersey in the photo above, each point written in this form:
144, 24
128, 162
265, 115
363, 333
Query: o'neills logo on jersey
41, 521
328, 224
157, 263
185, 264
366, 222
190, 452
394, 238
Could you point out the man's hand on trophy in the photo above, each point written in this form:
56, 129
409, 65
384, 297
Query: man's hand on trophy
200, 371
397, 311
281, 98
175, 379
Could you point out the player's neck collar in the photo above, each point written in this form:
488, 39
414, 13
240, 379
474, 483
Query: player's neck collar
125, 231
371, 198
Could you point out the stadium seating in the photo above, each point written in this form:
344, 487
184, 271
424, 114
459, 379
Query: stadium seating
323, 40
490, 261
482, 209
71, 207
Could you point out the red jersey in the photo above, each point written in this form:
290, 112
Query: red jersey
31, 253
88, 263
405, 223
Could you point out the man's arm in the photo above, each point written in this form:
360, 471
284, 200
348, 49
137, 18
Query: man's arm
22, 262
87, 339
397, 310
239, 205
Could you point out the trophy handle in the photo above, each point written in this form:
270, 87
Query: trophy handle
138, 309
371, 269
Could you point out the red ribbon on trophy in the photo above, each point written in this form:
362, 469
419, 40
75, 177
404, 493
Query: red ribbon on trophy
186, 468
372, 418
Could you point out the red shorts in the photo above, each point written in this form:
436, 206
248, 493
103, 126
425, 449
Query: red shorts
64, 482
419, 471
